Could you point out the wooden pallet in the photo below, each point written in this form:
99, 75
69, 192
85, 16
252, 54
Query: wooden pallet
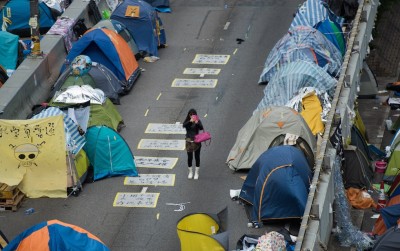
16, 203
7, 192
10, 198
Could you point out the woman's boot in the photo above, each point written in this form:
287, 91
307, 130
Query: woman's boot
196, 173
190, 175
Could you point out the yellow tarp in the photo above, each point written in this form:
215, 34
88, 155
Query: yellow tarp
311, 113
32, 156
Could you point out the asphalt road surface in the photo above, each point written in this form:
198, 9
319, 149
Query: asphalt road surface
193, 27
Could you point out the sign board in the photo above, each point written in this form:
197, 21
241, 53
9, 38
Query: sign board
194, 83
165, 128
210, 59
151, 180
155, 162
132, 11
162, 144
136, 200
202, 71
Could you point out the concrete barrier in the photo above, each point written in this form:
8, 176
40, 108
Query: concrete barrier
31, 82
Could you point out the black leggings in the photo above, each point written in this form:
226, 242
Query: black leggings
196, 156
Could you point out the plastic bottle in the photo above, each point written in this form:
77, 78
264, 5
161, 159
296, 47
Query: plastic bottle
29, 211
381, 198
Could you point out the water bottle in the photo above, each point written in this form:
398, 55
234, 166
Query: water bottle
29, 211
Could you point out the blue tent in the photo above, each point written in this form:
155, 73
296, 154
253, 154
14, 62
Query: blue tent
8, 50
302, 43
333, 32
142, 24
291, 78
160, 5
20, 14
277, 185
109, 49
313, 11
108, 153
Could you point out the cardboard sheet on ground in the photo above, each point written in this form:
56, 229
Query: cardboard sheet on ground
162, 144
194, 83
155, 162
210, 59
165, 128
33, 156
151, 180
136, 200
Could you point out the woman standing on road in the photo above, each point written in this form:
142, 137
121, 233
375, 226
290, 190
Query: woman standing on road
193, 125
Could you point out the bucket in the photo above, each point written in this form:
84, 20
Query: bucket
380, 166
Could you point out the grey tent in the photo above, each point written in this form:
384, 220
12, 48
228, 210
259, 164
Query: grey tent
99, 77
266, 128
120, 29
389, 241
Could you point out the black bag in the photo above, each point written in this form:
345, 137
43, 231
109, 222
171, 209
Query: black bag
94, 12
79, 28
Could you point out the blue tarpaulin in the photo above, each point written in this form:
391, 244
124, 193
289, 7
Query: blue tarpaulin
302, 43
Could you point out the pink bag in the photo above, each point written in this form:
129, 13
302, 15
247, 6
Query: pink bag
201, 137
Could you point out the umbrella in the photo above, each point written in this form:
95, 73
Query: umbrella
56, 235
291, 78
302, 43
313, 11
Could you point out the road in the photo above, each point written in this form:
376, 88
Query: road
193, 27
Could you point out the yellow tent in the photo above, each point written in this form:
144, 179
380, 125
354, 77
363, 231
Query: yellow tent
201, 232
311, 113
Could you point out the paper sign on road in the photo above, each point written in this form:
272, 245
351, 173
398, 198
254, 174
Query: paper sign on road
151, 180
165, 128
162, 144
194, 83
155, 162
136, 200
210, 59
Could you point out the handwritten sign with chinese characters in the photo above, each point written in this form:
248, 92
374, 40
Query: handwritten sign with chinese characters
162, 144
148, 200
165, 128
210, 59
155, 162
151, 180
202, 71
194, 83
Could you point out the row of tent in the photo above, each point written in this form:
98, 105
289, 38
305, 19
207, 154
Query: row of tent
143, 30
278, 142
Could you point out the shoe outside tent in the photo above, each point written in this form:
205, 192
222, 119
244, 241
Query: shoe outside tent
120, 29
15, 16
140, 18
99, 76
277, 185
291, 78
108, 48
265, 127
203, 232
108, 153
56, 235
302, 43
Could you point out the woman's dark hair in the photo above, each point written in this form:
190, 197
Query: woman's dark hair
190, 113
